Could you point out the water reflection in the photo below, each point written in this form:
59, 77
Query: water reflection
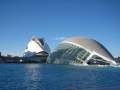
58, 77
33, 77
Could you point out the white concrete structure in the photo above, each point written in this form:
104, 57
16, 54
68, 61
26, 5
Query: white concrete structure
81, 50
36, 46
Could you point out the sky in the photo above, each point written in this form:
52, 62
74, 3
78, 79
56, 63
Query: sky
56, 20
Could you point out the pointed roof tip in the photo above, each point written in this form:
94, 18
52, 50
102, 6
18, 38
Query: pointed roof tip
33, 37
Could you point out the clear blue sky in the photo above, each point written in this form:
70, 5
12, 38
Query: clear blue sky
57, 19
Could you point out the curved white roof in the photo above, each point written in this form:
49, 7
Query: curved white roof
36, 45
91, 45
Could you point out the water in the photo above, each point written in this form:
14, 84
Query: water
58, 77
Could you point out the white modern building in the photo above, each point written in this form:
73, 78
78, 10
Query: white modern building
79, 50
36, 49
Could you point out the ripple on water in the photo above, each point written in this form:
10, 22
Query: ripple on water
58, 77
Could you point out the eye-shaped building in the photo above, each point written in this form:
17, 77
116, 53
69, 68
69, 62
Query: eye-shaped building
79, 50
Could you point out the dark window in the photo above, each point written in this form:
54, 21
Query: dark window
41, 41
97, 60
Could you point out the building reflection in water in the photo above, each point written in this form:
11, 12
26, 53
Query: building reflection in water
33, 77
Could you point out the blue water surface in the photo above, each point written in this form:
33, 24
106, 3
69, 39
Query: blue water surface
58, 77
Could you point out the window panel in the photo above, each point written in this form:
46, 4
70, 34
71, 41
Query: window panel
97, 60
67, 53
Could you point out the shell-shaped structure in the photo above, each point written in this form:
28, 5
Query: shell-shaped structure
36, 46
79, 50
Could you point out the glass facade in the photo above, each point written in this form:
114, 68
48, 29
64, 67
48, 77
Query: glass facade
67, 53
78, 50
96, 60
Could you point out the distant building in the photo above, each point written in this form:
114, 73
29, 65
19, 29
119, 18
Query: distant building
78, 50
37, 50
9, 55
117, 59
